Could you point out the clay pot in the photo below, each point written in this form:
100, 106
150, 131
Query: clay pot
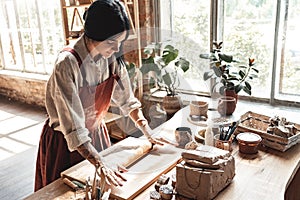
231, 93
226, 105
199, 108
248, 142
171, 104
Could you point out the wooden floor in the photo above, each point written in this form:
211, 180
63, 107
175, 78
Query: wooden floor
20, 128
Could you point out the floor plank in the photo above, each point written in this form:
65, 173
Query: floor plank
20, 128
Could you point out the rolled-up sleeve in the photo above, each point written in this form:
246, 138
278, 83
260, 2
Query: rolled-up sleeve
64, 104
125, 99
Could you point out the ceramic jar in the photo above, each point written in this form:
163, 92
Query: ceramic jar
226, 105
171, 104
198, 108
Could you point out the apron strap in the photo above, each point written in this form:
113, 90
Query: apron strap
72, 51
114, 72
79, 61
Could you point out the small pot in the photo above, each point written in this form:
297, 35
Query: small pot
248, 142
171, 104
183, 135
226, 105
198, 108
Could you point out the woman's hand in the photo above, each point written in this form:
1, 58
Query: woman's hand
148, 132
111, 176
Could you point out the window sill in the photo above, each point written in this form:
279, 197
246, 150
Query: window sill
24, 75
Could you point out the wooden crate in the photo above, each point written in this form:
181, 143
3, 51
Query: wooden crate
258, 123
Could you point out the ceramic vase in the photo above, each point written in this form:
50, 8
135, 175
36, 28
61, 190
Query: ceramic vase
231, 93
226, 105
171, 104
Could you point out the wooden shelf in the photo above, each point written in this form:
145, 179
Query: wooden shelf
77, 6
129, 6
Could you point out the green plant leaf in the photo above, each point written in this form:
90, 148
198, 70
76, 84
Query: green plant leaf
222, 90
148, 51
232, 78
223, 81
242, 67
210, 56
148, 67
238, 88
253, 75
131, 68
169, 54
150, 59
254, 69
167, 79
248, 86
152, 82
207, 75
230, 85
183, 64
217, 71
226, 58
247, 90
242, 74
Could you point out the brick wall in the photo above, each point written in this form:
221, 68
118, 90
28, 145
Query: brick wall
23, 87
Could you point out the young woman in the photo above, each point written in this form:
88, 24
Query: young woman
86, 77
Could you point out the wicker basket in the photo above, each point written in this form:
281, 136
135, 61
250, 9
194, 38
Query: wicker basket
258, 123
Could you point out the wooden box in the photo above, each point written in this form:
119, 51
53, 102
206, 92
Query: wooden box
203, 183
258, 123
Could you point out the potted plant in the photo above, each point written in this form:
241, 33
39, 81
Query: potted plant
229, 79
165, 67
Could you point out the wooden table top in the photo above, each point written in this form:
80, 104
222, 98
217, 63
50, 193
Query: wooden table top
264, 175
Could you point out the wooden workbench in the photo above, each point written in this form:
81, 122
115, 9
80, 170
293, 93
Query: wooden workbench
265, 175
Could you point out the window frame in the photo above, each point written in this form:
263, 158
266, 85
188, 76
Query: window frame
216, 34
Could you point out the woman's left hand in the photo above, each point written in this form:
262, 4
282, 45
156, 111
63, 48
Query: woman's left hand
155, 140
148, 132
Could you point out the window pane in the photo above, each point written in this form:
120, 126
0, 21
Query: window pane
30, 34
191, 37
249, 33
289, 52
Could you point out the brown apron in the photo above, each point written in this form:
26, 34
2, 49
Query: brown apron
53, 154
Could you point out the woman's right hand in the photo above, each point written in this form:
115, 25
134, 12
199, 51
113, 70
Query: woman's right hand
111, 176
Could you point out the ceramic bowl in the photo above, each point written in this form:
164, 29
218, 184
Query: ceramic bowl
248, 142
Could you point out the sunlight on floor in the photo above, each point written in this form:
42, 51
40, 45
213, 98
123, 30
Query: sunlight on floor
17, 134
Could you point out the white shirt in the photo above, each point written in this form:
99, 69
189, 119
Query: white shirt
62, 93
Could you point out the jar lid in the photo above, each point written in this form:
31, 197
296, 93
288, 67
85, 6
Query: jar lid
248, 137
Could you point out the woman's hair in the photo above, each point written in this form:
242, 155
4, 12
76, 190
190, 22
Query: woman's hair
105, 19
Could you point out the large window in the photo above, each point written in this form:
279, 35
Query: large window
266, 30
30, 34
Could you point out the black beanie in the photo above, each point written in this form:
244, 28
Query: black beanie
104, 19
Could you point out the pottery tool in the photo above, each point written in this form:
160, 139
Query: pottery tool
87, 189
106, 194
167, 141
80, 185
95, 184
70, 184
231, 130
98, 193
